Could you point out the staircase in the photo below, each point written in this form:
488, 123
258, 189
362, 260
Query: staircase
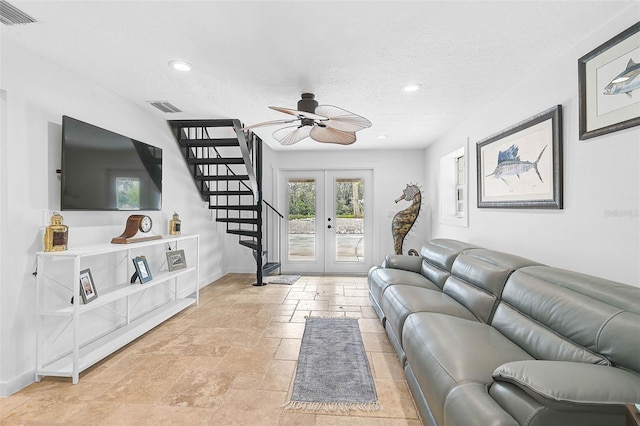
226, 165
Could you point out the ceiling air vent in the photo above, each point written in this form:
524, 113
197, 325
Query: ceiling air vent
11, 15
165, 106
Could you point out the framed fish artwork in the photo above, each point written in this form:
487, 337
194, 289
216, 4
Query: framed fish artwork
521, 166
609, 85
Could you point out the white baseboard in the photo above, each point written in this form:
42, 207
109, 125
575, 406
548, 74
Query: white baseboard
243, 270
206, 281
20, 382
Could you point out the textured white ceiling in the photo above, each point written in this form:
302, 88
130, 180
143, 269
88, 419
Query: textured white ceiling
357, 55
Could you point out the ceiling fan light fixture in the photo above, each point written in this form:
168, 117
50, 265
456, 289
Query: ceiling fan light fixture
411, 87
180, 65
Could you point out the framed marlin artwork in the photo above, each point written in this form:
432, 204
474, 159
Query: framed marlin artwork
609, 84
521, 166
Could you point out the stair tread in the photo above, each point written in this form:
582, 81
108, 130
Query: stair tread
237, 220
229, 160
222, 193
208, 142
245, 232
250, 244
270, 266
217, 122
225, 177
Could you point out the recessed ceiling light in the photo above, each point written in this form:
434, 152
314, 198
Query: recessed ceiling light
413, 87
383, 136
180, 65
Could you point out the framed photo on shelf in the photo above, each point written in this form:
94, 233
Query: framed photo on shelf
521, 166
87, 287
142, 269
608, 77
176, 260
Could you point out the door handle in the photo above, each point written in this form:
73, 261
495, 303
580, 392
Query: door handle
329, 226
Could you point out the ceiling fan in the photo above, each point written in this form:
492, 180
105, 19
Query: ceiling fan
322, 123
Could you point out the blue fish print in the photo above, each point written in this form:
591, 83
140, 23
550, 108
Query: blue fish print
509, 164
625, 82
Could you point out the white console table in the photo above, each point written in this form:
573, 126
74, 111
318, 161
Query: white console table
72, 336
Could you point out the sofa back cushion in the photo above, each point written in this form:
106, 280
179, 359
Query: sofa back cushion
438, 256
478, 276
562, 315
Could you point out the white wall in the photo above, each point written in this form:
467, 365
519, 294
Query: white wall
601, 177
38, 93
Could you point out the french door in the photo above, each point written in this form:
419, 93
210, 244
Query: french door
329, 221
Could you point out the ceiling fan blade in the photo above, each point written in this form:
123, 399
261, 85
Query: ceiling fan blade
289, 137
331, 135
341, 119
270, 123
300, 114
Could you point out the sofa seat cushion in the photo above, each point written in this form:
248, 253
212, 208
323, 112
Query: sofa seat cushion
400, 301
445, 351
381, 278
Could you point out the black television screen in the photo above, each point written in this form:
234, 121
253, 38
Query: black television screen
102, 170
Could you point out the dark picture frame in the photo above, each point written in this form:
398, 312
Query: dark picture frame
176, 260
142, 269
88, 290
521, 166
606, 76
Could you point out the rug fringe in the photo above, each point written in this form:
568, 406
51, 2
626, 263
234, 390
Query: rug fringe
333, 406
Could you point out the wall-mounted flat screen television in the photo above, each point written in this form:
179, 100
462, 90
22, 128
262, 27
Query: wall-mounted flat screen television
102, 170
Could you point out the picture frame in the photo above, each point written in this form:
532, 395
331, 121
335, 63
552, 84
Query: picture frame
142, 269
521, 166
88, 290
606, 78
176, 260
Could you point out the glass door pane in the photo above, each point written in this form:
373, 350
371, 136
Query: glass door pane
302, 197
349, 223
349, 214
301, 234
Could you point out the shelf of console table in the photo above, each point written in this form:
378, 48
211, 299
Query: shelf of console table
104, 346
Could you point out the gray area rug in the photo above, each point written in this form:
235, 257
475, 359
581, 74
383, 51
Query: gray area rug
281, 279
333, 371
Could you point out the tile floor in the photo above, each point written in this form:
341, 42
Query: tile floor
229, 361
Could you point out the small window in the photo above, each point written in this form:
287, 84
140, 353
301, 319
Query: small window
453, 188
460, 185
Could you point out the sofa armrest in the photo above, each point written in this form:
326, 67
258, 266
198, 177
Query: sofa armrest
561, 384
469, 404
404, 262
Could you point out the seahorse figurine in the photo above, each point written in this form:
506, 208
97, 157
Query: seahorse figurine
404, 219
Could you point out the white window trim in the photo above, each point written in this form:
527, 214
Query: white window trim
449, 186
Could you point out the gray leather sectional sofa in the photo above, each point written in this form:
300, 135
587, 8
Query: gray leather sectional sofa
489, 338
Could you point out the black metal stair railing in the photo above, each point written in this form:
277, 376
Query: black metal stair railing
228, 174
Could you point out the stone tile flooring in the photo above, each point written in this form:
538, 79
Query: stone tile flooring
229, 361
